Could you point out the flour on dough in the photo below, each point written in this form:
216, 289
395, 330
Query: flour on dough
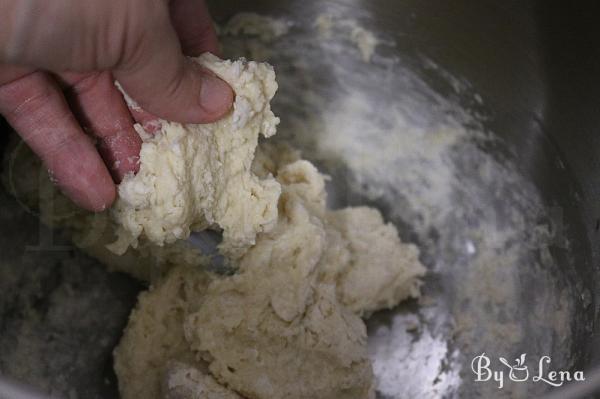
194, 177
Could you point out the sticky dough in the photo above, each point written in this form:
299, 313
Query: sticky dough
196, 176
288, 324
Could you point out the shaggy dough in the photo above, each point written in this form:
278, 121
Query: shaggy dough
154, 334
275, 321
193, 177
382, 271
153, 359
280, 317
287, 324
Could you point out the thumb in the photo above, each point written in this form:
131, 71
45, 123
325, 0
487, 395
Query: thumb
164, 82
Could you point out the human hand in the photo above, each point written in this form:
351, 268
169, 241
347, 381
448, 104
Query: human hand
58, 61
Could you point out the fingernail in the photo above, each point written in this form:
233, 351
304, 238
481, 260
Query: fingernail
216, 97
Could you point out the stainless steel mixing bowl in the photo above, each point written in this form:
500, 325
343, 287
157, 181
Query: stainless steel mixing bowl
523, 75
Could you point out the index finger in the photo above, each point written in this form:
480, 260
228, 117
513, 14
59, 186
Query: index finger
37, 110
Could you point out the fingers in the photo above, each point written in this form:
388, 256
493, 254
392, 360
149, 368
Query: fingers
36, 108
101, 110
194, 26
164, 82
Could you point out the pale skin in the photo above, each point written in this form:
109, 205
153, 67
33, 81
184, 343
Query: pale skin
58, 63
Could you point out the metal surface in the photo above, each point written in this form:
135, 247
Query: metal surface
529, 74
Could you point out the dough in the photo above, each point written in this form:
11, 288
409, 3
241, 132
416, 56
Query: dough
193, 177
287, 324
154, 334
275, 330
153, 359
382, 271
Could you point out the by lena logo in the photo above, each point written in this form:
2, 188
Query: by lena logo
520, 372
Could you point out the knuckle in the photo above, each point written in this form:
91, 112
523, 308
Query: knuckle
30, 106
25, 96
